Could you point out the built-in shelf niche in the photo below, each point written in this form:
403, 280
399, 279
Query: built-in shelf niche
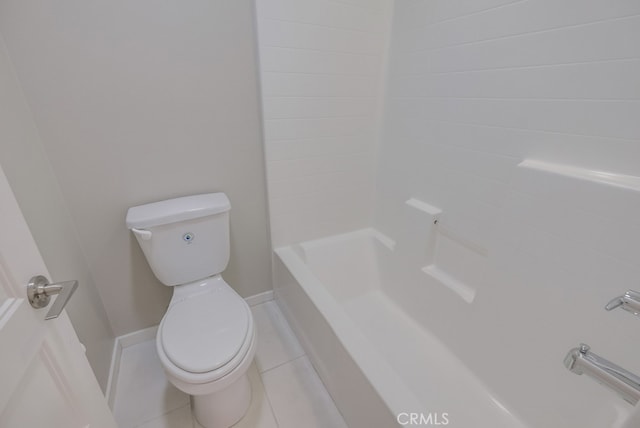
420, 242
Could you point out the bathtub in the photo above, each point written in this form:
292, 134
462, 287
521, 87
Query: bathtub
382, 368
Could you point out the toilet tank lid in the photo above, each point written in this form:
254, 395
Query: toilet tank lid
178, 209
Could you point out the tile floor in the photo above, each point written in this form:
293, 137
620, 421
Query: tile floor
287, 392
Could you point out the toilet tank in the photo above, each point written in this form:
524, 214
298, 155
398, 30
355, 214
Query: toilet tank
184, 239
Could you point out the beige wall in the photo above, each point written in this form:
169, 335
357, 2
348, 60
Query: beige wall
142, 101
29, 172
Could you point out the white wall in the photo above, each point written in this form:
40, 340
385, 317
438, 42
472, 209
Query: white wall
475, 87
321, 66
141, 101
34, 184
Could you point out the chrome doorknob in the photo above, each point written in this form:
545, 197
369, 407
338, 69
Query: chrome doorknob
39, 292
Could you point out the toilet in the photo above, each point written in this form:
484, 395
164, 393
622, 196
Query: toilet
206, 340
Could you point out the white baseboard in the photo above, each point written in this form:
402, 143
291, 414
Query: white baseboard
256, 299
143, 335
120, 343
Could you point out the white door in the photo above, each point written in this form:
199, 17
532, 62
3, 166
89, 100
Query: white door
45, 378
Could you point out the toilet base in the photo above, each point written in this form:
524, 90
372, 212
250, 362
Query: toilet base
223, 408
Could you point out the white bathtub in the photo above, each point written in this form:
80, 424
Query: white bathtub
381, 367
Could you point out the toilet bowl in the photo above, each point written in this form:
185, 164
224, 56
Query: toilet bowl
206, 340
206, 343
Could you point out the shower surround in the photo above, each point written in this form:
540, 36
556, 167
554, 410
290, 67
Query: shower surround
436, 143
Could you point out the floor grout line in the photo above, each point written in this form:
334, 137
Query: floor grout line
266, 394
165, 414
282, 364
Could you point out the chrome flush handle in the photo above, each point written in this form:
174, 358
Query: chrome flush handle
629, 301
39, 292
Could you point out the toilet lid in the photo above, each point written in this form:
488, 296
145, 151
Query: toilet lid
203, 333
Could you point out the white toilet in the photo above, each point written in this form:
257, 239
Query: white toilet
207, 339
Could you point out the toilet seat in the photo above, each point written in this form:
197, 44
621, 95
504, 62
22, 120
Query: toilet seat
238, 351
203, 333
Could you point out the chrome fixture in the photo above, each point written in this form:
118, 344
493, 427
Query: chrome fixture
39, 292
629, 301
582, 361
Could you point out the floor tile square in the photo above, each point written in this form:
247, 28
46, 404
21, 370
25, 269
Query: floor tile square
277, 344
143, 391
298, 397
179, 418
